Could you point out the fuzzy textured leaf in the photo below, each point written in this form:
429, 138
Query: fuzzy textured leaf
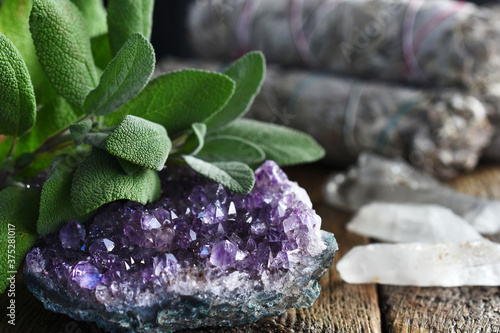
63, 47
17, 98
125, 76
52, 118
14, 18
24, 159
101, 51
141, 142
129, 167
18, 212
79, 130
5, 143
196, 139
283, 145
248, 72
178, 99
55, 203
126, 17
100, 179
97, 139
235, 176
94, 13
225, 148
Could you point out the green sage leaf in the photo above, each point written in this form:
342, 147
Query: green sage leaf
248, 72
8, 164
18, 214
100, 179
14, 18
94, 13
96, 139
17, 98
24, 159
101, 51
125, 76
79, 130
126, 17
5, 143
55, 204
196, 139
52, 118
225, 148
40, 162
63, 48
129, 167
235, 176
178, 99
283, 145
141, 142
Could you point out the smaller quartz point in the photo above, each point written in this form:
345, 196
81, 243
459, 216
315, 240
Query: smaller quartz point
224, 254
474, 263
376, 178
407, 223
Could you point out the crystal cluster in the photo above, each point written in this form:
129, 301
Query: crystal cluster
199, 256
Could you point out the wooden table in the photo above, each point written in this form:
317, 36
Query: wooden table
341, 307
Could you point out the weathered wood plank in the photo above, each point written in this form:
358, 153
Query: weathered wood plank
340, 308
464, 309
419, 310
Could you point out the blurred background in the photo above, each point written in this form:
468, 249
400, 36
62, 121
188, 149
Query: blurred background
416, 79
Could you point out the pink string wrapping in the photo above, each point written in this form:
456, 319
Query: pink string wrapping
434, 22
407, 41
299, 37
244, 27
322, 12
412, 42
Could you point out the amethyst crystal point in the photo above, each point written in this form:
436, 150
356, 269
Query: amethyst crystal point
72, 235
199, 256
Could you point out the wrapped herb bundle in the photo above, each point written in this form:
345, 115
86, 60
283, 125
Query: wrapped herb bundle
441, 132
490, 96
438, 43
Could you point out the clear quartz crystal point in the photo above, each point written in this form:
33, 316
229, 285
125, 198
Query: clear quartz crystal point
453, 264
376, 178
407, 223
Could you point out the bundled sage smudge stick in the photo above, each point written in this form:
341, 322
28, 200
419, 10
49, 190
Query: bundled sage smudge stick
431, 43
440, 131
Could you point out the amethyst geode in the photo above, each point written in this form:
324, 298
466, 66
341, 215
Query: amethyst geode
199, 256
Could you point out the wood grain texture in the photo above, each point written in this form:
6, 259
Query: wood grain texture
340, 307
422, 310
464, 309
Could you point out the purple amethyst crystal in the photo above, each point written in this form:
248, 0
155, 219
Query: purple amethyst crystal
199, 256
85, 276
72, 235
